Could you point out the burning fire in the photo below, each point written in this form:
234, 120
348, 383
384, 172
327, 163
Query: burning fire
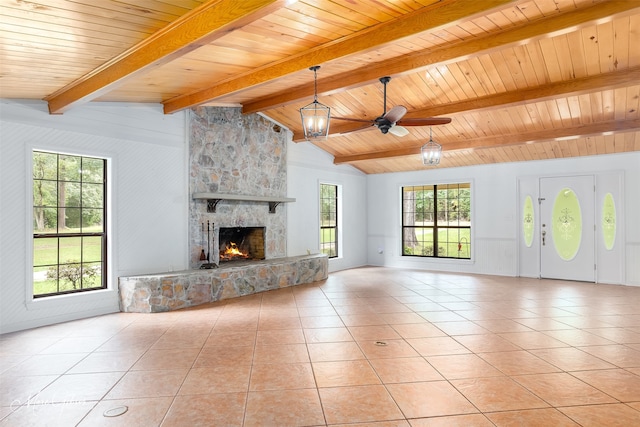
232, 251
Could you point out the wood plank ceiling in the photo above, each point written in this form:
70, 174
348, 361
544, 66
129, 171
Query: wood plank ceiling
521, 80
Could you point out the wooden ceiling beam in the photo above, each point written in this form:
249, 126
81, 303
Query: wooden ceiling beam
566, 88
202, 25
563, 133
443, 13
545, 27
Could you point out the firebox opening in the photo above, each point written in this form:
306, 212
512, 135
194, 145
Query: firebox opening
241, 243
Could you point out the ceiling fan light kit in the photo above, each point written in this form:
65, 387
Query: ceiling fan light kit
315, 116
431, 152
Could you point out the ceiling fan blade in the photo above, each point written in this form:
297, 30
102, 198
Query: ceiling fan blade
395, 113
360, 129
349, 119
398, 131
427, 121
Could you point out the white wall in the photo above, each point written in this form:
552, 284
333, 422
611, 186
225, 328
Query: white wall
307, 167
494, 210
148, 202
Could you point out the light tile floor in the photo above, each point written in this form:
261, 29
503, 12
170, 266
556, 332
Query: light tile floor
367, 347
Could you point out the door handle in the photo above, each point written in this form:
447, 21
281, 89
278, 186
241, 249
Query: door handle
544, 233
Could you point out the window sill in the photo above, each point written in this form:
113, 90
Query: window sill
57, 301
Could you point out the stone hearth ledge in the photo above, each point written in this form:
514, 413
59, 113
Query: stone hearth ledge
161, 292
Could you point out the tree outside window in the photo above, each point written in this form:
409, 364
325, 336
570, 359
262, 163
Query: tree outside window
436, 221
329, 220
69, 238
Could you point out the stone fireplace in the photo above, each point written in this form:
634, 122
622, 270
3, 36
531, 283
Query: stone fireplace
241, 244
238, 162
237, 155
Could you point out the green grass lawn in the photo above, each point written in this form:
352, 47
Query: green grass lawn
51, 251
448, 241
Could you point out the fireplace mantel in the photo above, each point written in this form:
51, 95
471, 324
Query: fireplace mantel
214, 198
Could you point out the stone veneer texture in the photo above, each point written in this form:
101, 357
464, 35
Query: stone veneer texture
237, 154
172, 291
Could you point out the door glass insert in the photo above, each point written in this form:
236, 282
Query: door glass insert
528, 221
567, 224
609, 221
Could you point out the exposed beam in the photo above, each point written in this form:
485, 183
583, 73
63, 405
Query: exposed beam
573, 87
427, 18
545, 27
202, 25
504, 140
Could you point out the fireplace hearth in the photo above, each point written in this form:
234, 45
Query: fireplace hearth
241, 243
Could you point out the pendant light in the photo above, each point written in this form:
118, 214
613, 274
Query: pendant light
315, 116
431, 152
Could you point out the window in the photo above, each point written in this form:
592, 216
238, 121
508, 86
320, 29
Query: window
437, 216
329, 220
69, 238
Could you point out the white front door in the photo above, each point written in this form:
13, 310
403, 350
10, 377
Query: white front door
567, 235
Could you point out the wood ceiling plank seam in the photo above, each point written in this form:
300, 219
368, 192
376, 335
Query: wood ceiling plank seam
590, 146
490, 68
607, 102
448, 81
379, 13
282, 43
574, 146
341, 28
438, 85
534, 118
100, 10
69, 52
620, 102
503, 71
575, 111
605, 46
199, 26
634, 40
633, 102
576, 52
547, 7
515, 68
565, 111
59, 35
597, 104
299, 30
526, 66
551, 59
480, 77
631, 141
463, 79
334, 12
529, 10
621, 47
563, 53
591, 54
25, 19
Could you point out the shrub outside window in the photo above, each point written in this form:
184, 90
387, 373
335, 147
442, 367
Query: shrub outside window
69, 212
437, 216
329, 220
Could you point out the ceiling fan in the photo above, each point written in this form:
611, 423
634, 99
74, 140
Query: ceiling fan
391, 121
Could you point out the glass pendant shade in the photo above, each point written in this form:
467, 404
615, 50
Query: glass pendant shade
315, 120
315, 116
431, 152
